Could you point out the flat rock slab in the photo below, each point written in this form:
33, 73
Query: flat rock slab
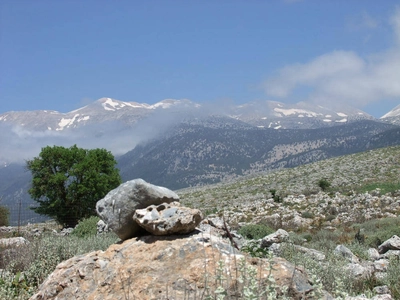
116, 209
165, 219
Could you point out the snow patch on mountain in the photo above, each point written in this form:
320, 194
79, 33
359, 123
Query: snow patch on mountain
395, 112
65, 123
344, 120
293, 111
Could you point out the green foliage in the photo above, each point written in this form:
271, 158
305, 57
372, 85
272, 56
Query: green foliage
255, 231
39, 258
379, 230
4, 214
307, 215
392, 280
67, 182
385, 187
254, 249
275, 196
324, 184
86, 227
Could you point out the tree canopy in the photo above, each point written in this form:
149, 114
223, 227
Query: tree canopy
67, 182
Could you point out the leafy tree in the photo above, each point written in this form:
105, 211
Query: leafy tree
67, 182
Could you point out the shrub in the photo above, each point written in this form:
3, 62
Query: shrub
255, 231
86, 227
324, 184
307, 215
276, 197
330, 218
4, 214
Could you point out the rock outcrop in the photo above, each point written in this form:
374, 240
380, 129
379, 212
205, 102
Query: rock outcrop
166, 267
116, 209
391, 244
13, 242
167, 219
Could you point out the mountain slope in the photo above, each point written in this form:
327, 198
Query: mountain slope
195, 154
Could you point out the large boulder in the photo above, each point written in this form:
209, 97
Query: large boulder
165, 219
168, 267
116, 209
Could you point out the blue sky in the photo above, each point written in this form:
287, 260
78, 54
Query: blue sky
61, 55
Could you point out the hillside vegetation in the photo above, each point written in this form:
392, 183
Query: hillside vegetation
347, 175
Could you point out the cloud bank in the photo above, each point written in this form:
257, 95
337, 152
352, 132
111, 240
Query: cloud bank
344, 76
19, 144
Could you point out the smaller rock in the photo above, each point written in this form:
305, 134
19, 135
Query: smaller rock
373, 254
101, 227
381, 265
383, 289
357, 270
314, 254
390, 253
13, 242
391, 244
346, 253
66, 231
278, 236
166, 219
217, 223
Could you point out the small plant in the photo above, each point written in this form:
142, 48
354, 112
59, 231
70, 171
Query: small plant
253, 248
4, 214
330, 218
255, 231
275, 196
307, 215
86, 227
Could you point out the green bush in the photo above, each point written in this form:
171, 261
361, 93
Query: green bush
307, 215
4, 214
86, 227
330, 218
324, 184
255, 231
275, 196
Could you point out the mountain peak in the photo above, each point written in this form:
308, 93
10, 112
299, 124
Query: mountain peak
113, 105
395, 112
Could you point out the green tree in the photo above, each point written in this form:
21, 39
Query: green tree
324, 184
67, 182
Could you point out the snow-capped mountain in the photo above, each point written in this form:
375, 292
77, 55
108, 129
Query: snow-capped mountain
392, 116
119, 126
100, 111
268, 114
272, 114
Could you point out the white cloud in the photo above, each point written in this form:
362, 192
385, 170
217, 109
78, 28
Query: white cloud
344, 76
363, 21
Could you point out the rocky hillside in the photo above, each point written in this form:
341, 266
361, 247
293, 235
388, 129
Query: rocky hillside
217, 149
287, 193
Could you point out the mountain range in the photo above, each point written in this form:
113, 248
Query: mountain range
179, 143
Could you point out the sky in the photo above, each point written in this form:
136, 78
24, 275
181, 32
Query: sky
62, 55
